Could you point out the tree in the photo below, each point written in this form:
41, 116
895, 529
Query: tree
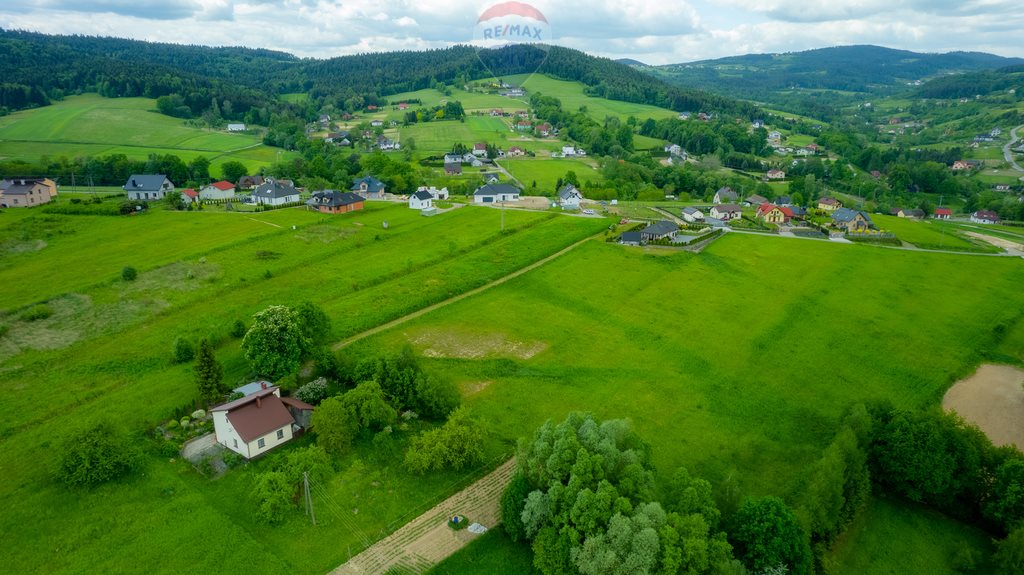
334, 425
455, 445
436, 397
209, 373
233, 171
765, 534
313, 392
1007, 502
1009, 557
183, 351
513, 501
273, 494
367, 406
200, 169
129, 274
174, 200
101, 454
274, 343
314, 322
630, 545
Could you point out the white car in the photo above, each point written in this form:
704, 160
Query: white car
588, 212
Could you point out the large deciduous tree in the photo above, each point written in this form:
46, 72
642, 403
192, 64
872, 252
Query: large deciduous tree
274, 343
766, 534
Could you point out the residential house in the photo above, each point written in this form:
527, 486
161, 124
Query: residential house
1002, 187
757, 124
773, 214
631, 238
784, 201
403, 106
516, 152
339, 138
190, 195
755, 200
985, 217
222, 190
876, 174
27, 193
491, 179
148, 187
569, 197
693, 215
335, 202
727, 212
851, 220
249, 182
775, 135
914, 214
452, 168
673, 149
254, 424
524, 126
496, 113
660, 230
943, 213
236, 127
684, 116
377, 124
275, 193
961, 165
387, 144
479, 150
725, 195
421, 200
544, 130
494, 193
370, 188
435, 193
776, 175
829, 204
454, 158
572, 151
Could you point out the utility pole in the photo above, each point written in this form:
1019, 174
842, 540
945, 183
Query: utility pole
942, 228
308, 497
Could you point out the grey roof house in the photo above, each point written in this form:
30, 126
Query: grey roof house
369, 188
493, 193
148, 187
275, 193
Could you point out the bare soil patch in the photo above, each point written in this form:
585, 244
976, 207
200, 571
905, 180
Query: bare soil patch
997, 242
474, 387
992, 399
532, 203
459, 344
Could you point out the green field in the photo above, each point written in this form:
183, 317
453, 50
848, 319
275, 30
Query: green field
929, 234
572, 97
547, 172
470, 100
93, 125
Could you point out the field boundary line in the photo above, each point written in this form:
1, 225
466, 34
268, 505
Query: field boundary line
263, 222
454, 299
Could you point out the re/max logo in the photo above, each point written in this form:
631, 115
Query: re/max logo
512, 30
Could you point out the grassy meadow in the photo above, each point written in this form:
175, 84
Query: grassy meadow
93, 125
930, 234
547, 172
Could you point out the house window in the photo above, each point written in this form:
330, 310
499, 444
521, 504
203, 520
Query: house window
261, 443
235, 441
280, 434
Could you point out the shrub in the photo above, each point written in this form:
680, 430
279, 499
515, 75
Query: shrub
4, 329
183, 351
273, 494
238, 329
232, 459
37, 312
101, 454
313, 392
128, 273
455, 445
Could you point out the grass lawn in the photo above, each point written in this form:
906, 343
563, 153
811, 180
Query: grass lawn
92, 125
929, 234
492, 553
470, 100
547, 172
572, 97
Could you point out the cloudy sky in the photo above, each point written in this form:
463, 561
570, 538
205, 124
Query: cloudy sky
656, 32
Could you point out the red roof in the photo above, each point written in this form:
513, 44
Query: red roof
788, 212
943, 212
256, 415
223, 185
479, 146
190, 193
765, 209
297, 404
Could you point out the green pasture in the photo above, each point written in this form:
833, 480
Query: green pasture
295, 98
572, 97
546, 172
470, 100
493, 553
929, 234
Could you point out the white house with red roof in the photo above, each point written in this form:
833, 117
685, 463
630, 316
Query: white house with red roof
257, 423
516, 152
943, 213
479, 150
222, 190
189, 195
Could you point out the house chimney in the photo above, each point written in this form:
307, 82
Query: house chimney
263, 385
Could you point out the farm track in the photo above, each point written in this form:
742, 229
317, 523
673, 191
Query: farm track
419, 313
427, 540
1008, 154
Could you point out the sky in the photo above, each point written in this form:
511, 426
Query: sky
653, 32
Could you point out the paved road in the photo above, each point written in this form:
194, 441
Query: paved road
904, 248
1008, 154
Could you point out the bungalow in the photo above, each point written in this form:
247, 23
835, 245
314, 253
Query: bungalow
851, 220
524, 126
335, 202
190, 195
985, 217
454, 158
377, 124
222, 190
660, 230
421, 200
236, 127
544, 130
783, 201
773, 214
256, 423
479, 150
435, 193
727, 212
452, 168
249, 182
275, 193
26, 193
516, 151
370, 188
829, 204
148, 187
775, 135
494, 193
755, 200
631, 238
911, 214
776, 175
724, 195
569, 197
693, 215
571, 151
943, 213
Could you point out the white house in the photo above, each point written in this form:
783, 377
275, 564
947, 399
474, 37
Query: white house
421, 200
221, 190
275, 193
148, 187
693, 215
569, 197
453, 158
572, 151
254, 424
725, 195
493, 193
236, 127
985, 217
479, 150
726, 212
435, 193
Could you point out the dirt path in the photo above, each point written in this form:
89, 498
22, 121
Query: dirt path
460, 297
993, 399
427, 540
1008, 153
1010, 247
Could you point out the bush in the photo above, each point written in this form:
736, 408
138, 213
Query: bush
37, 312
313, 392
238, 329
273, 494
4, 329
128, 273
101, 454
232, 459
455, 445
183, 351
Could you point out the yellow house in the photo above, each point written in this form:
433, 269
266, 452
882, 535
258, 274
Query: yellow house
829, 204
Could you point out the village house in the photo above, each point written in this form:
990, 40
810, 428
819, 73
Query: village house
911, 214
985, 217
335, 202
26, 193
851, 220
421, 200
775, 135
479, 150
249, 182
544, 130
755, 200
190, 196
369, 188
773, 214
727, 212
776, 175
943, 213
724, 195
569, 197
275, 193
494, 193
516, 152
572, 151
403, 106
962, 165
257, 423
829, 204
148, 187
222, 190
236, 127
377, 124
692, 215
435, 193
453, 168
524, 126
660, 230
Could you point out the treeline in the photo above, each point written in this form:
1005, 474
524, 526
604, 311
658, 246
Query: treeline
697, 137
972, 84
